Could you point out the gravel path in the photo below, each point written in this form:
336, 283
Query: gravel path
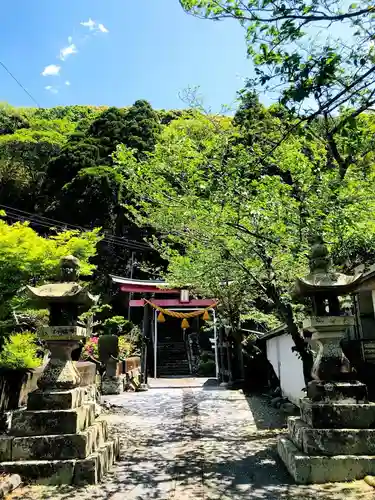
186, 439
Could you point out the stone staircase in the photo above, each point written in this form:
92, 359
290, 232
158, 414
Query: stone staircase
57, 439
172, 359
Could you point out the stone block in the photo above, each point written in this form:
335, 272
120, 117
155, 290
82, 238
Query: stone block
92, 469
58, 447
5, 448
338, 415
86, 471
46, 422
55, 472
56, 400
87, 372
344, 392
112, 385
116, 447
306, 469
331, 442
98, 434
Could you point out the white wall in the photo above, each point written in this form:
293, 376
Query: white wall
287, 366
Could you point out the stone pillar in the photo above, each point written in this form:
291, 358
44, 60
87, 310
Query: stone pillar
60, 372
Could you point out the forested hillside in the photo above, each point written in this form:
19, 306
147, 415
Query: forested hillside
56, 170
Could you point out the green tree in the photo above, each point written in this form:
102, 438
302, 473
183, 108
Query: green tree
11, 119
316, 74
26, 257
142, 128
62, 169
213, 218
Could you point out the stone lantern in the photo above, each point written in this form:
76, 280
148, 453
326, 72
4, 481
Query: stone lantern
328, 325
57, 439
334, 437
66, 301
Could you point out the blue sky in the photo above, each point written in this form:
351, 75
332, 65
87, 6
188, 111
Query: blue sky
127, 50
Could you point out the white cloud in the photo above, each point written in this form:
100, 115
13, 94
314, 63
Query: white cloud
94, 26
90, 24
51, 70
51, 89
70, 40
102, 28
67, 51
67, 83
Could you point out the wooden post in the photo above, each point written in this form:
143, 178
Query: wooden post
146, 337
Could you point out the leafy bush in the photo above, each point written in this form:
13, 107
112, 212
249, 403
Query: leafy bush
126, 347
207, 356
20, 351
117, 325
207, 368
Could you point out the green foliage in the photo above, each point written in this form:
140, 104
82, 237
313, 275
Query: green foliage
141, 128
68, 164
207, 368
11, 119
70, 113
26, 257
242, 237
116, 325
20, 352
126, 348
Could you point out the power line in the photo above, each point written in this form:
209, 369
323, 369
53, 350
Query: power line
73, 226
20, 84
18, 217
35, 220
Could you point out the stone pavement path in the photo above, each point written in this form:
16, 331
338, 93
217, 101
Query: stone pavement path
186, 439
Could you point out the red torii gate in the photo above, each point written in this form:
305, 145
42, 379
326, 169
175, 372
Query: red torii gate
181, 302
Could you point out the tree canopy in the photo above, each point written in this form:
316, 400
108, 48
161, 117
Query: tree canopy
28, 258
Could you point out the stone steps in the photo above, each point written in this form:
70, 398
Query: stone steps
89, 470
307, 469
331, 442
56, 447
64, 444
42, 422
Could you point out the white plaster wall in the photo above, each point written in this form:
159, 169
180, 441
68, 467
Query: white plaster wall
287, 367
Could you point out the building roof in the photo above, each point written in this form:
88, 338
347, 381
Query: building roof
276, 332
129, 281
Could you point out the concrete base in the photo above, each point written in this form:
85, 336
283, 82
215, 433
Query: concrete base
306, 469
63, 444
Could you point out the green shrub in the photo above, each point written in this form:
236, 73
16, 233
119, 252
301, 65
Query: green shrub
20, 351
206, 356
207, 368
116, 325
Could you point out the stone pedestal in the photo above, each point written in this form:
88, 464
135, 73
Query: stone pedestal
330, 442
57, 440
334, 437
60, 372
327, 331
